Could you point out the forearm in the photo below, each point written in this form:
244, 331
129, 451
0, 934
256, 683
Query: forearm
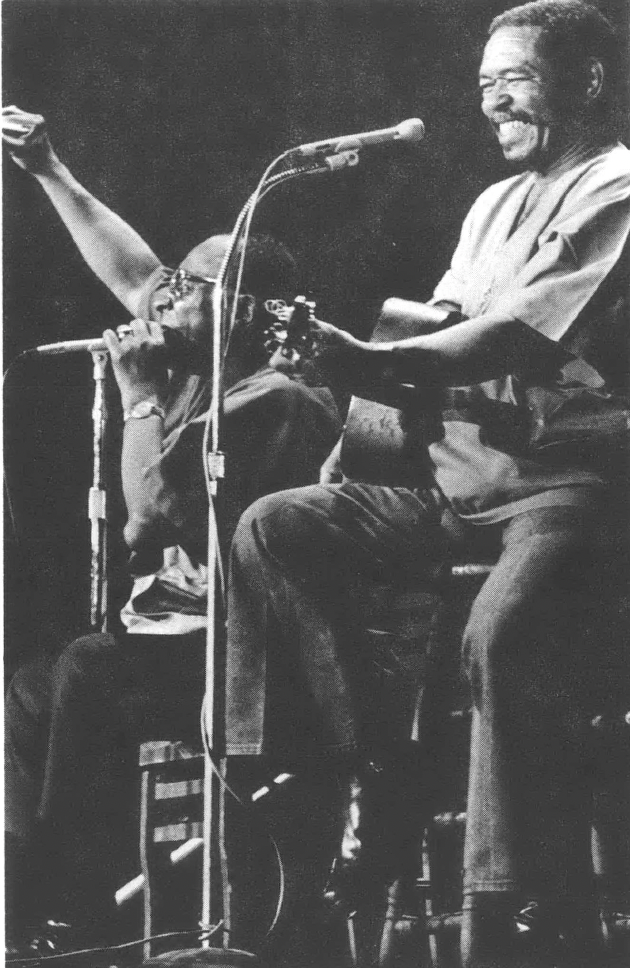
144, 489
111, 248
467, 353
417, 315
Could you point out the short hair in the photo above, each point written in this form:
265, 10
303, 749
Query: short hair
574, 31
269, 270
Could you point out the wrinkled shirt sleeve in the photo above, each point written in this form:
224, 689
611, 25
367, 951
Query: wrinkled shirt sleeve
574, 257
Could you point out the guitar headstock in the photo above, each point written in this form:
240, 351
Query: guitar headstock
291, 329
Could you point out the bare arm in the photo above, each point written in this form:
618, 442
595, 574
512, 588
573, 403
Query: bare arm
418, 314
141, 374
111, 248
469, 352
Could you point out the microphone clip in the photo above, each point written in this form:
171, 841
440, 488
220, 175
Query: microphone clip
342, 159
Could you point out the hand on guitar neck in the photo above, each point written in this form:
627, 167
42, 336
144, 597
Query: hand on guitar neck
315, 350
337, 358
290, 332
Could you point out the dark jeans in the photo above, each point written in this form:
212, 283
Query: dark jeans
536, 653
73, 726
296, 559
300, 563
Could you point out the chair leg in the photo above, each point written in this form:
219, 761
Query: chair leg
404, 939
147, 796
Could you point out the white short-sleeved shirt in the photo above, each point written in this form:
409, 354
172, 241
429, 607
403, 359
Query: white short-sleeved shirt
561, 268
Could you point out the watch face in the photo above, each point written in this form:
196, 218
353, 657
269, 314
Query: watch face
143, 409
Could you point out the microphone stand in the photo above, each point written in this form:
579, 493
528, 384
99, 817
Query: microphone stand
214, 468
97, 501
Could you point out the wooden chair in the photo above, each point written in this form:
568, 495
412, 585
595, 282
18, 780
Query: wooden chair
170, 813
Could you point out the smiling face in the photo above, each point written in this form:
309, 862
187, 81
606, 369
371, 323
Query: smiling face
520, 98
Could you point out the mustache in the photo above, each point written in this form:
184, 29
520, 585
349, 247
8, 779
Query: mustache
503, 116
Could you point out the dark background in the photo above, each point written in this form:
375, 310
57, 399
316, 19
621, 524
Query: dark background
168, 111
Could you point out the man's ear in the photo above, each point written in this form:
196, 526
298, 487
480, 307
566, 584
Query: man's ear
595, 79
246, 308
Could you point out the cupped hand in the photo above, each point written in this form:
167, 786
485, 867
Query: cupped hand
26, 137
139, 363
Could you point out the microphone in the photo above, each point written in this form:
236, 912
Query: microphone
97, 345
411, 131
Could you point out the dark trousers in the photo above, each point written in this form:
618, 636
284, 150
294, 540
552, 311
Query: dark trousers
73, 726
536, 652
296, 557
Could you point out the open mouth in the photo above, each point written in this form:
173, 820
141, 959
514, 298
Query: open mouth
512, 128
514, 131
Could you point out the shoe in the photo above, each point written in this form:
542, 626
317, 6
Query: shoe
536, 923
494, 936
49, 939
378, 825
52, 938
537, 933
568, 934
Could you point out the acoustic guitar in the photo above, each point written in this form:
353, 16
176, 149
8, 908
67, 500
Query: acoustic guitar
386, 436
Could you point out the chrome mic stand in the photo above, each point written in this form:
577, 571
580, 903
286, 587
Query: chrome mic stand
213, 819
214, 469
97, 502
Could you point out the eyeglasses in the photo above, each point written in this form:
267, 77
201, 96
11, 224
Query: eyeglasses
182, 282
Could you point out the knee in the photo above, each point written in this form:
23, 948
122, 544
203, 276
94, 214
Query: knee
275, 526
259, 519
27, 694
83, 662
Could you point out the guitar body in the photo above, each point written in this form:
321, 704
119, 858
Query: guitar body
385, 441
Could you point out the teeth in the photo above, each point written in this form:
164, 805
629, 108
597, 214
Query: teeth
507, 127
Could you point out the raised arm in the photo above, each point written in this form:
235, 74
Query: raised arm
111, 248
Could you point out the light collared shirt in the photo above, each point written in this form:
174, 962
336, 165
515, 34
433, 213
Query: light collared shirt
551, 252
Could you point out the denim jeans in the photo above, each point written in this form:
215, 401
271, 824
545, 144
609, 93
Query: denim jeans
299, 564
294, 628
537, 652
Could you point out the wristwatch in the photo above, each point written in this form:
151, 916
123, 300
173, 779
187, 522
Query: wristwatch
145, 408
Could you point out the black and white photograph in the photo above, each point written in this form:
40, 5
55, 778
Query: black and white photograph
316, 598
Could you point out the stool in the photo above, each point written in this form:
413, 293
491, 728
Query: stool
429, 934
425, 915
422, 918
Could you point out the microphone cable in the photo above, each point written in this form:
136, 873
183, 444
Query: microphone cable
257, 821
35, 959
